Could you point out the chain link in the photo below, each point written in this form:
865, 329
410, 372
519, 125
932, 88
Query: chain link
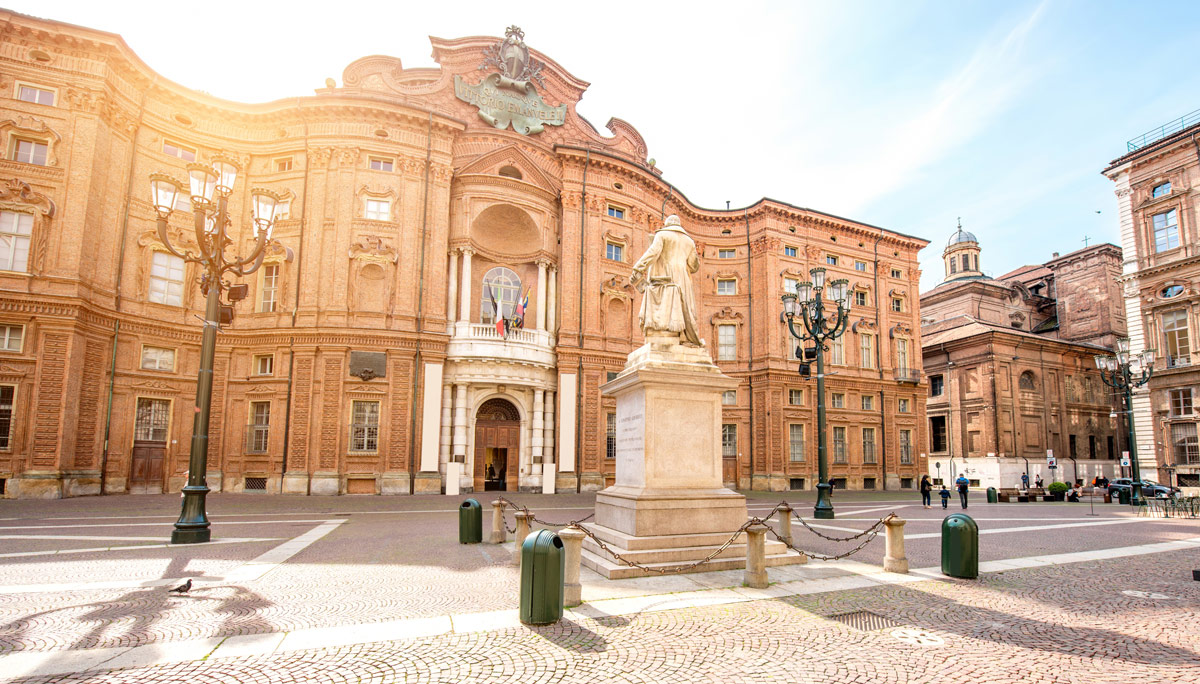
547, 523
665, 571
874, 527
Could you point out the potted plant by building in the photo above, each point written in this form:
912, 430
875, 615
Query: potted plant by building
1058, 490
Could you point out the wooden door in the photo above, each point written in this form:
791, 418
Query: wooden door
149, 444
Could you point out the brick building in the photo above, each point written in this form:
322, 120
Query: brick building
1011, 370
366, 358
1157, 182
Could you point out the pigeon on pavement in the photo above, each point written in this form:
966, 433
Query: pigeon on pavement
183, 588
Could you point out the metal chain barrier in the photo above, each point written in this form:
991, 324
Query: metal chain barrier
547, 523
869, 533
873, 528
533, 519
666, 571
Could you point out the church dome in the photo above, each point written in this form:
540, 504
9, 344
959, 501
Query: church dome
961, 236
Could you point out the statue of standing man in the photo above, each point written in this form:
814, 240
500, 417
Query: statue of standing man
664, 277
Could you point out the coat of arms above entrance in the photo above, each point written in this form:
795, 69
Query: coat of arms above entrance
508, 96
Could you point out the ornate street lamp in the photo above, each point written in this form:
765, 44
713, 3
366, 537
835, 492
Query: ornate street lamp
1123, 373
212, 224
808, 304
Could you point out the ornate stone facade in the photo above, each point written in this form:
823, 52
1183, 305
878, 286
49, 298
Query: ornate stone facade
1157, 184
402, 201
1011, 369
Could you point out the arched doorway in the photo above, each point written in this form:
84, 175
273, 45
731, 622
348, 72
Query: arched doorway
497, 446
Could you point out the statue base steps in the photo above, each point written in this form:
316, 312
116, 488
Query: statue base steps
668, 552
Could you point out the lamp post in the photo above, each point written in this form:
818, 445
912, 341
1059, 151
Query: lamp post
808, 304
212, 223
1123, 373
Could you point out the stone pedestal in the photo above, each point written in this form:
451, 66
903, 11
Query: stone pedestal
669, 506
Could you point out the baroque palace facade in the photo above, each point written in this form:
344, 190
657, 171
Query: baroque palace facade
366, 357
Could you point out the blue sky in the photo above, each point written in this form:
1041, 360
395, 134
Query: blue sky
906, 115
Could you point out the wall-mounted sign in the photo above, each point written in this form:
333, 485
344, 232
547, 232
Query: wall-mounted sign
509, 97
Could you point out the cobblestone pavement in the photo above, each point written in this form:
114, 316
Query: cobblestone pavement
1063, 624
395, 558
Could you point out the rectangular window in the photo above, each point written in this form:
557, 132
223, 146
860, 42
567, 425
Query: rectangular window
868, 444
864, 350
283, 211
838, 349
897, 273
837, 400
152, 421
379, 163
789, 251
1181, 402
284, 164
897, 304
610, 436
378, 210
1166, 231
868, 402
166, 279
936, 386
614, 251
831, 260
260, 427
364, 428
158, 358
901, 406
860, 266
30, 151
902, 357
1175, 330
726, 253
729, 398
937, 434
616, 212
1158, 191
729, 440
270, 288
726, 286
796, 397
1071, 446
839, 445
726, 342
796, 443
906, 446
789, 285
28, 93
11, 337
264, 365
7, 392
176, 150
860, 299
954, 264
1184, 444
1092, 446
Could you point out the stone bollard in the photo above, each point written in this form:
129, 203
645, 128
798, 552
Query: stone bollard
522, 532
785, 523
755, 576
572, 539
498, 531
893, 558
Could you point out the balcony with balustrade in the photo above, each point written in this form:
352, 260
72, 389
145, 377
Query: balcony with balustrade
482, 342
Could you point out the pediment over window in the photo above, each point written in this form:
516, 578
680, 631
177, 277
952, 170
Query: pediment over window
511, 157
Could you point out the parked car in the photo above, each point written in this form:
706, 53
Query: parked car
1149, 487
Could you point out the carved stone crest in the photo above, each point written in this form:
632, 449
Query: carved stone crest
511, 57
509, 97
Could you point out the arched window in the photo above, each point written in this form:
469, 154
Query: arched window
505, 287
510, 172
1027, 382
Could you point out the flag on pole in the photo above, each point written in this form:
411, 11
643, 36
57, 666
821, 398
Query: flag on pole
501, 324
519, 316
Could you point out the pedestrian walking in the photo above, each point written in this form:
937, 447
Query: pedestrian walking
962, 483
926, 491
1025, 481
945, 496
1039, 481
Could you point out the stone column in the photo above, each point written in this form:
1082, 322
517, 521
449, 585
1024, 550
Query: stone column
536, 439
447, 424
893, 558
459, 442
464, 291
552, 300
522, 532
430, 478
548, 429
541, 294
499, 532
452, 293
572, 539
755, 576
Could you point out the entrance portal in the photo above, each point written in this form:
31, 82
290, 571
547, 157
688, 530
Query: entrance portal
497, 446
149, 446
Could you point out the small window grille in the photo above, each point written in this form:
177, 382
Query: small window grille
255, 484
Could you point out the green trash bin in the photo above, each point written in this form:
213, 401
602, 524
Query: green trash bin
960, 546
1123, 496
542, 572
470, 522
993, 497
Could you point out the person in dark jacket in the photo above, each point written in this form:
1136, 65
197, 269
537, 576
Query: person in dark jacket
926, 491
961, 484
945, 494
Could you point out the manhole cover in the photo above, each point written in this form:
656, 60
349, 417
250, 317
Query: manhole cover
917, 637
1146, 594
864, 620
